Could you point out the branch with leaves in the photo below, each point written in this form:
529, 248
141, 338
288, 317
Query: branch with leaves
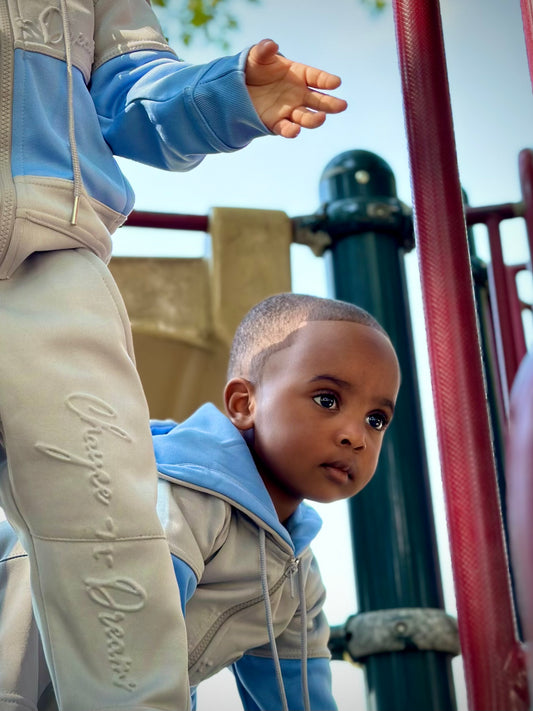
215, 19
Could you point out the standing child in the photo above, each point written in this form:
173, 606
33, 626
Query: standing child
311, 391
81, 80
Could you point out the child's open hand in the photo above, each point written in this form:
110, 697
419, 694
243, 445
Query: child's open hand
284, 92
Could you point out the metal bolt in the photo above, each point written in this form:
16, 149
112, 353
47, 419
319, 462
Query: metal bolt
400, 628
362, 176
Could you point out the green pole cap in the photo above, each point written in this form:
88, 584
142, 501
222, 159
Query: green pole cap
356, 173
358, 195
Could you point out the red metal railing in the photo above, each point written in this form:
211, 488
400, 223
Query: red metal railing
168, 221
507, 307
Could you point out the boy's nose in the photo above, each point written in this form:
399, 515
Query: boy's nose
352, 436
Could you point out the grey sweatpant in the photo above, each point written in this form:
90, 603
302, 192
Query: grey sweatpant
80, 489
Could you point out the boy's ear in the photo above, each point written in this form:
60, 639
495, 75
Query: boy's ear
239, 402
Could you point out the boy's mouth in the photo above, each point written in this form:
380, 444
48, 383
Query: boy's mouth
339, 472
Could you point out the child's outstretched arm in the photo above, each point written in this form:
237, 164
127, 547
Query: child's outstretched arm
284, 93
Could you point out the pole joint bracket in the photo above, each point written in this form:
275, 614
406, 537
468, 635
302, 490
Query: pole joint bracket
395, 630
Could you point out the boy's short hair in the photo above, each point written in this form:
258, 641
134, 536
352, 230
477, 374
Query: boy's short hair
267, 327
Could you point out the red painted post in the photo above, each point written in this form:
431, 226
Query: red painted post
517, 307
525, 167
492, 661
168, 221
527, 20
508, 357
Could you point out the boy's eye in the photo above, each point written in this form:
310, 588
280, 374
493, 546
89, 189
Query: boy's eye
377, 421
327, 401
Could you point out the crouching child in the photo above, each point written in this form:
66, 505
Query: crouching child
311, 389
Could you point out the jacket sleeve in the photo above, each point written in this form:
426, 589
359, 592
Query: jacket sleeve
23, 671
195, 525
156, 109
258, 690
255, 673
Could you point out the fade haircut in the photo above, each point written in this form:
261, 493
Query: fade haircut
268, 326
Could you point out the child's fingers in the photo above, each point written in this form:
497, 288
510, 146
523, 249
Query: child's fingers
286, 128
319, 79
300, 118
263, 51
324, 102
308, 119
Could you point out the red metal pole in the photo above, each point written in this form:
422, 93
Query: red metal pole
525, 167
168, 221
508, 357
485, 613
527, 20
517, 307
505, 211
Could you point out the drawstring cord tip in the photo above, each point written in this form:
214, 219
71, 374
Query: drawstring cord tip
75, 206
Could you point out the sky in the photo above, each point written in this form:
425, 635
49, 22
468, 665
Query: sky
492, 106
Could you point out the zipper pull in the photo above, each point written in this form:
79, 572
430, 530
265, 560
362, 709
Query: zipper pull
292, 569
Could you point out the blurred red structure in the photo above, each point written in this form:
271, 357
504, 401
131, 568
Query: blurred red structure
492, 652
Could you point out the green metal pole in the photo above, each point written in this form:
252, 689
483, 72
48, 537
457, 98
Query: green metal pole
394, 543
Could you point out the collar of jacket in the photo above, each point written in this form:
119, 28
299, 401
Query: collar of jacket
208, 452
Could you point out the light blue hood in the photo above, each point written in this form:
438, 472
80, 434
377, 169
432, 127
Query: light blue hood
209, 452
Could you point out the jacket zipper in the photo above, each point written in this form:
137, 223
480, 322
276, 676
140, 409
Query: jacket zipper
7, 187
206, 639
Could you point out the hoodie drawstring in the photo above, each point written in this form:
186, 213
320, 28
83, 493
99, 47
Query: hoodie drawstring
76, 171
270, 625
303, 641
270, 628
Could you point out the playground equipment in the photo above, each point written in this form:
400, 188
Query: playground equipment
401, 634
184, 311
494, 666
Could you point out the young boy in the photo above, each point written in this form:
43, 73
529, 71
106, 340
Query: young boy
81, 80
312, 385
